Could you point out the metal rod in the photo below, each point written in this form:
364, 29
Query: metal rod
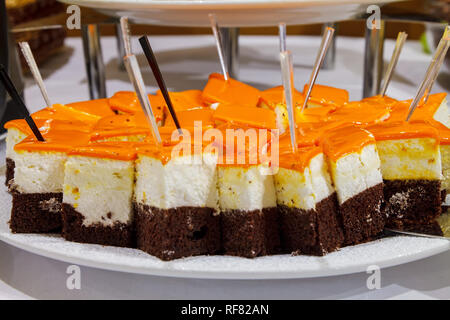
401, 39
287, 72
373, 60
95, 68
120, 46
219, 45
29, 58
330, 57
324, 45
230, 42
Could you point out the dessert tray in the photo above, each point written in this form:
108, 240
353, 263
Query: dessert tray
383, 253
231, 13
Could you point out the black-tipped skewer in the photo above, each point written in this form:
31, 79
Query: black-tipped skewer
147, 48
15, 96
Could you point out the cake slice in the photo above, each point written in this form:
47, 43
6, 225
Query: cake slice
247, 199
176, 202
97, 194
247, 117
411, 168
355, 170
307, 203
38, 179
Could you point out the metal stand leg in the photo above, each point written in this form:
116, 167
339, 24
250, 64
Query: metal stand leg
330, 57
230, 39
95, 67
373, 60
120, 47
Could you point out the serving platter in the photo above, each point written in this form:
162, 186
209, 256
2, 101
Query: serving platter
231, 13
384, 252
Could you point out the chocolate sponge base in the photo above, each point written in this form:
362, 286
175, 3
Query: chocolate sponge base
177, 232
35, 212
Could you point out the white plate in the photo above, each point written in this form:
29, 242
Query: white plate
231, 13
383, 253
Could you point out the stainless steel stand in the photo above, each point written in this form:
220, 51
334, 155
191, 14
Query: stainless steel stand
230, 41
95, 68
373, 60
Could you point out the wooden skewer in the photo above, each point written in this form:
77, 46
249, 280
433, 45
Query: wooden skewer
125, 28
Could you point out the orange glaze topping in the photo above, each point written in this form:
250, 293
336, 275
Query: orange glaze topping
299, 160
314, 114
62, 112
403, 130
22, 125
326, 96
231, 92
184, 100
444, 132
99, 107
360, 113
187, 118
423, 112
55, 140
251, 117
310, 133
128, 102
117, 150
345, 140
384, 101
273, 96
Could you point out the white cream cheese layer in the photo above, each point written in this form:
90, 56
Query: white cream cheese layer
13, 137
356, 172
304, 190
245, 188
39, 172
99, 189
183, 181
417, 158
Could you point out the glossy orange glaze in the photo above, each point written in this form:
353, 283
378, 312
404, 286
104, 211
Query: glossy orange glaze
343, 141
326, 96
444, 132
310, 133
384, 101
128, 102
120, 150
360, 113
165, 153
231, 91
403, 130
55, 141
99, 107
299, 160
187, 118
22, 125
314, 114
252, 117
423, 112
184, 100
62, 112
273, 96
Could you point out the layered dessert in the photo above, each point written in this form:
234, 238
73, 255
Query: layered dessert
307, 203
411, 169
176, 202
355, 170
97, 194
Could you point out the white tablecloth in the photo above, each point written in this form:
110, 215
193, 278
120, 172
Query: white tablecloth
186, 62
